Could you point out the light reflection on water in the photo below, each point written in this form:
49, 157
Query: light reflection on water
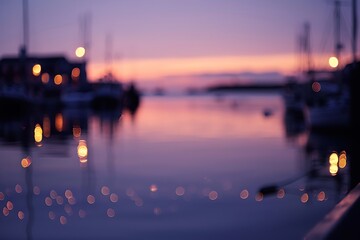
180, 168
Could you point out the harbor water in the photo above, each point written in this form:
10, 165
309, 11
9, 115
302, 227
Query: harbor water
179, 167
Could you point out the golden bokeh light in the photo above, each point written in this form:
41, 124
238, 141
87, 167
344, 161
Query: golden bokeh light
333, 62
58, 79
333, 158
342, 159
38, 133
333, 169
75, 73
82, 151
80, 52
25, 162
36, 70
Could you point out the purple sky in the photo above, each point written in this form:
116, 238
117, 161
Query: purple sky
171, 29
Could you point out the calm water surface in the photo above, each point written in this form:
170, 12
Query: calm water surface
185, 167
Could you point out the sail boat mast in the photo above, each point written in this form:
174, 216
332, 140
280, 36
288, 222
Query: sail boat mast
25, 25
354, 29
337, 32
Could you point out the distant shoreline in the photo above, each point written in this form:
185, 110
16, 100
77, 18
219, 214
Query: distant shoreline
246, 87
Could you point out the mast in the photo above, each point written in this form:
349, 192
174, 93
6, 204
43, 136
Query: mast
337, 32
354, 29
25, 26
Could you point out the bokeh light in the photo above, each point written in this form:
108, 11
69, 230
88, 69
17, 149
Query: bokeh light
333, 62
80, 52
36, 70
26, 162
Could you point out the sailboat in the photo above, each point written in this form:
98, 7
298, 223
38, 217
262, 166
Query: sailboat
328, 103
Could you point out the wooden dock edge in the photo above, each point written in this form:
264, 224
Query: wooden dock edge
343, 222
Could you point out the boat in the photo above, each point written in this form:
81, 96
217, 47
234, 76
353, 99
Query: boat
328, 101
332, 111
14, 99
107, 94
77, 98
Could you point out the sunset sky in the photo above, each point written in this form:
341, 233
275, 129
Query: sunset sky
152, 39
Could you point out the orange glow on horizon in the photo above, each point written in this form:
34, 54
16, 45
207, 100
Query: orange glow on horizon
149, 68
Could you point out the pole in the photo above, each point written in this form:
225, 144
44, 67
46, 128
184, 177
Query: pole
354, 29
337, 25
25, 24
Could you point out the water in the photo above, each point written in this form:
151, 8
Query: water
180, 167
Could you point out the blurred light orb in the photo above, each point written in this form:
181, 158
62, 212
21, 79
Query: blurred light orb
333, 62
316, 86
36, 70
58, 79
333, 158
25, 162
80, 52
